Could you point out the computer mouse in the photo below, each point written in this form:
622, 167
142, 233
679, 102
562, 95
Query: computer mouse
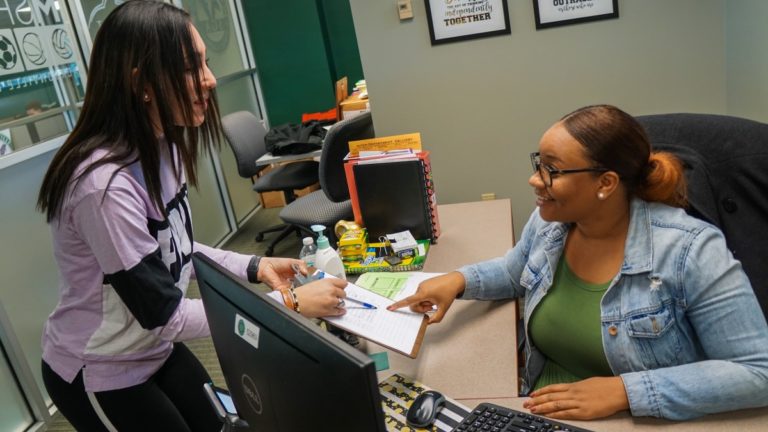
424, 409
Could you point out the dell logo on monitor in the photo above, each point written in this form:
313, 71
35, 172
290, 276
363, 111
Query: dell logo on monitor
251, 393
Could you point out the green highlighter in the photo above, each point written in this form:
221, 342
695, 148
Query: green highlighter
381, 361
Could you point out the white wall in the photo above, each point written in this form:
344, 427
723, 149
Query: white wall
481, 105
747, 58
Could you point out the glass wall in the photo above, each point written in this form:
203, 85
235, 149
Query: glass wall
15, 415
234, 95
40, 82
221, 27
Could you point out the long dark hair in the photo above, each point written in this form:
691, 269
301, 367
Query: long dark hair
141, 44
615, 140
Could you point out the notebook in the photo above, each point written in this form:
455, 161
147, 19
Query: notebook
395, 196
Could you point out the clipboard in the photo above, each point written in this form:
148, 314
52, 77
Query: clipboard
401, 331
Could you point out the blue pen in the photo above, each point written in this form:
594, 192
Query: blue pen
364, 304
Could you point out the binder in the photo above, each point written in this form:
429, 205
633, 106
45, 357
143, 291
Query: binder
392, 195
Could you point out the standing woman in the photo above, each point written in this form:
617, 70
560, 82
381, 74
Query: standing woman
115, 196
629, 302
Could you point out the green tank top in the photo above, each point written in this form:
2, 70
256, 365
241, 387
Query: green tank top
565, 327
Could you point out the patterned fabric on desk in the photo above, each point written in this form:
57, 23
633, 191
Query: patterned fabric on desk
398, 393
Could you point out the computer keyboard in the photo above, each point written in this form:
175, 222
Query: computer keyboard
493, 418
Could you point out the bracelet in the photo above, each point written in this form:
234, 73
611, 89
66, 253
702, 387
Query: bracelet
252, 272
295, 300
288, 297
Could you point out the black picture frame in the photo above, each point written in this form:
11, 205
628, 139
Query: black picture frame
555, 13
446, 31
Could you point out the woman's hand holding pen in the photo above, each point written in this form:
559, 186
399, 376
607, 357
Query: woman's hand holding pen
322, 297
439, 291
278, 272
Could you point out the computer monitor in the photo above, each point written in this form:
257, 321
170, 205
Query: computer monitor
284, 372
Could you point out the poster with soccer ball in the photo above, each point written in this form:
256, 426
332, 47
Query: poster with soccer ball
10, 59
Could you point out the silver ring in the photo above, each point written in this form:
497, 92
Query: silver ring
341, 303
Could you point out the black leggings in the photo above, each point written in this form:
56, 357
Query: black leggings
171, 400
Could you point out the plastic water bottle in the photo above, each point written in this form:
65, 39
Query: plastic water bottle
308, 252
326, 258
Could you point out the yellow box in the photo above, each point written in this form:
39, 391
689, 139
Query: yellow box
353, 238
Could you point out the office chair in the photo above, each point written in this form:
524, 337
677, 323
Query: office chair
331, 203
726, 166
245, 134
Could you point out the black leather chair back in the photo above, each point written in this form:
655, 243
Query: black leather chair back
726, 163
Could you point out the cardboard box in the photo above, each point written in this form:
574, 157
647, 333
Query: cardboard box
354, 105
277, 198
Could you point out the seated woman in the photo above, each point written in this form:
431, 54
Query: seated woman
629, 302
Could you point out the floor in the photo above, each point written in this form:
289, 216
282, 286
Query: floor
242, 242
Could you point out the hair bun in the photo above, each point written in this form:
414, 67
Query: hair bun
664, 180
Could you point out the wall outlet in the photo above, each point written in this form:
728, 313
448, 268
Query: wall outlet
404, 9
488, 196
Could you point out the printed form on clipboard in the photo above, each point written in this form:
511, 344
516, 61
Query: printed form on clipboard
402, 330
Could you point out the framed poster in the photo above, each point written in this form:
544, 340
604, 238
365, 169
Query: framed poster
455, 20
553, 13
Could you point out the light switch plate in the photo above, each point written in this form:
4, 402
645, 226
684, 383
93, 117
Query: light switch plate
404, 9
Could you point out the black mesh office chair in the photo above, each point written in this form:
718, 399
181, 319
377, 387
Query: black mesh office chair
331, 203
245, 134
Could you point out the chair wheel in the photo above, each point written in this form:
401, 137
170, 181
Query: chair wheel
269, 252
259, 237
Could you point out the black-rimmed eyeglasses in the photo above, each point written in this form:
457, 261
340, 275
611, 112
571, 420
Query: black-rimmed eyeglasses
547, 173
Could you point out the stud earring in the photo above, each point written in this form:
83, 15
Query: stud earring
600, 195
146, 97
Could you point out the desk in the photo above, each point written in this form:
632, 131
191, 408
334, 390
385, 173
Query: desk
450, 361
470, 232
269, 158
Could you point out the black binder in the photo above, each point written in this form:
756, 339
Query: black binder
394, 197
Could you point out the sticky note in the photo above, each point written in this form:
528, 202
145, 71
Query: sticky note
381, 360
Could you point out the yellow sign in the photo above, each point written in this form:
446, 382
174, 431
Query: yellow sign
395, 142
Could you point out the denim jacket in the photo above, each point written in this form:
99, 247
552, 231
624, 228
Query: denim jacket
680, 323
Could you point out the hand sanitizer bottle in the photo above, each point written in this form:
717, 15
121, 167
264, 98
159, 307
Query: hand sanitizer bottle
327, 259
